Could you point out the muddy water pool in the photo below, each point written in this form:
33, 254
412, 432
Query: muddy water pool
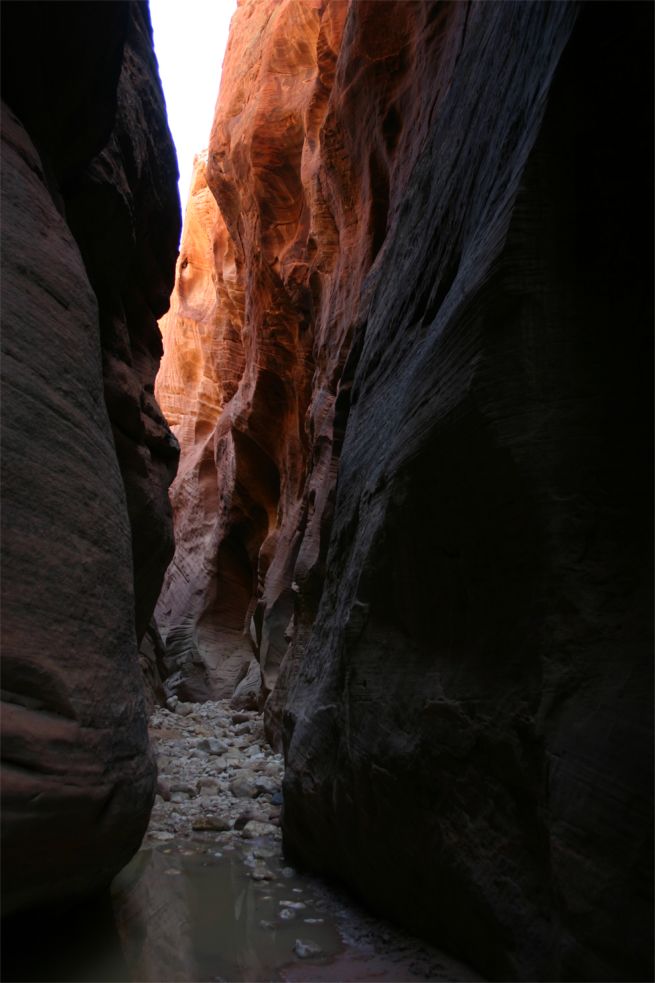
189, 910
209, 896
212, 921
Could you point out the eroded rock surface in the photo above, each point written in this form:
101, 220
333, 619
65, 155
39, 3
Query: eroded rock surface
90, 224
278, 238
288, 211
479, 671
129, 192
412, 308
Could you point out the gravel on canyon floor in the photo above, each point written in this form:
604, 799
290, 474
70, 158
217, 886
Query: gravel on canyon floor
216, 772
220, 782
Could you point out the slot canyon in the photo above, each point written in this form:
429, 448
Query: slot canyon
327, 514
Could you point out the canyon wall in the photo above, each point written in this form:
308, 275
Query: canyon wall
408, 361
90, 216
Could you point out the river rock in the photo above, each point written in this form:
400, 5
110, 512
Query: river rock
243, 788
243, 728
266, 784
307, 950
254, 829
265, 853
212, 822
213, 746
261, 872
183, 709
240, 718
209, 786
184, 787
163, 789
179, 797
248, 694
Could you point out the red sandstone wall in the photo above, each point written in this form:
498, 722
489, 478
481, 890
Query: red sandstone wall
90, 225
286, 217
412, 313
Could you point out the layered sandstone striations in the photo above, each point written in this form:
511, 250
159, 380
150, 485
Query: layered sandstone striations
258, 242
286, 215
90, 226
412, 309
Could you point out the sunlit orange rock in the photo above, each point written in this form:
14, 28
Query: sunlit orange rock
287, 214
200, 375
237, 382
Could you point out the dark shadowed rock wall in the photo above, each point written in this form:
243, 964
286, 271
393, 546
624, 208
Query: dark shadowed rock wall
408, 361
90, 223
467, 724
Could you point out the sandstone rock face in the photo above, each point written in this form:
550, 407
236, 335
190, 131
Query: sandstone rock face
280, 232
412, 308
90, 224
129, 192
474, 698
207, 651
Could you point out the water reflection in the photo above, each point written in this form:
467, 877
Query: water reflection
190, 911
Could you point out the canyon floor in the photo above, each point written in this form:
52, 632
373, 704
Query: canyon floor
210, 895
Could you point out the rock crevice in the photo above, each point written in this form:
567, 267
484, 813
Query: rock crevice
413, 484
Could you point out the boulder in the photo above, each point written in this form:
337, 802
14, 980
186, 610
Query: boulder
248, 694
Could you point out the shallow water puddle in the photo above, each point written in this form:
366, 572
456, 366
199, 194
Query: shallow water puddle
210, 899
190, 910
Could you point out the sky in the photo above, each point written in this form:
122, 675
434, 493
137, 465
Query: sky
190, 41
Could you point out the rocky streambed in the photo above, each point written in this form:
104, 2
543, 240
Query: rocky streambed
216, 774
210, 895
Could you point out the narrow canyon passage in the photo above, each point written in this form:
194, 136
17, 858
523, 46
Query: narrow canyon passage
327, 511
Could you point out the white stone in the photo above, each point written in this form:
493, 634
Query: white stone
305, 949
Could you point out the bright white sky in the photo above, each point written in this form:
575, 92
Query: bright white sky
190, 41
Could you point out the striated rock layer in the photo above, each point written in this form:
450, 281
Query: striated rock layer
408, 363
90, 226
